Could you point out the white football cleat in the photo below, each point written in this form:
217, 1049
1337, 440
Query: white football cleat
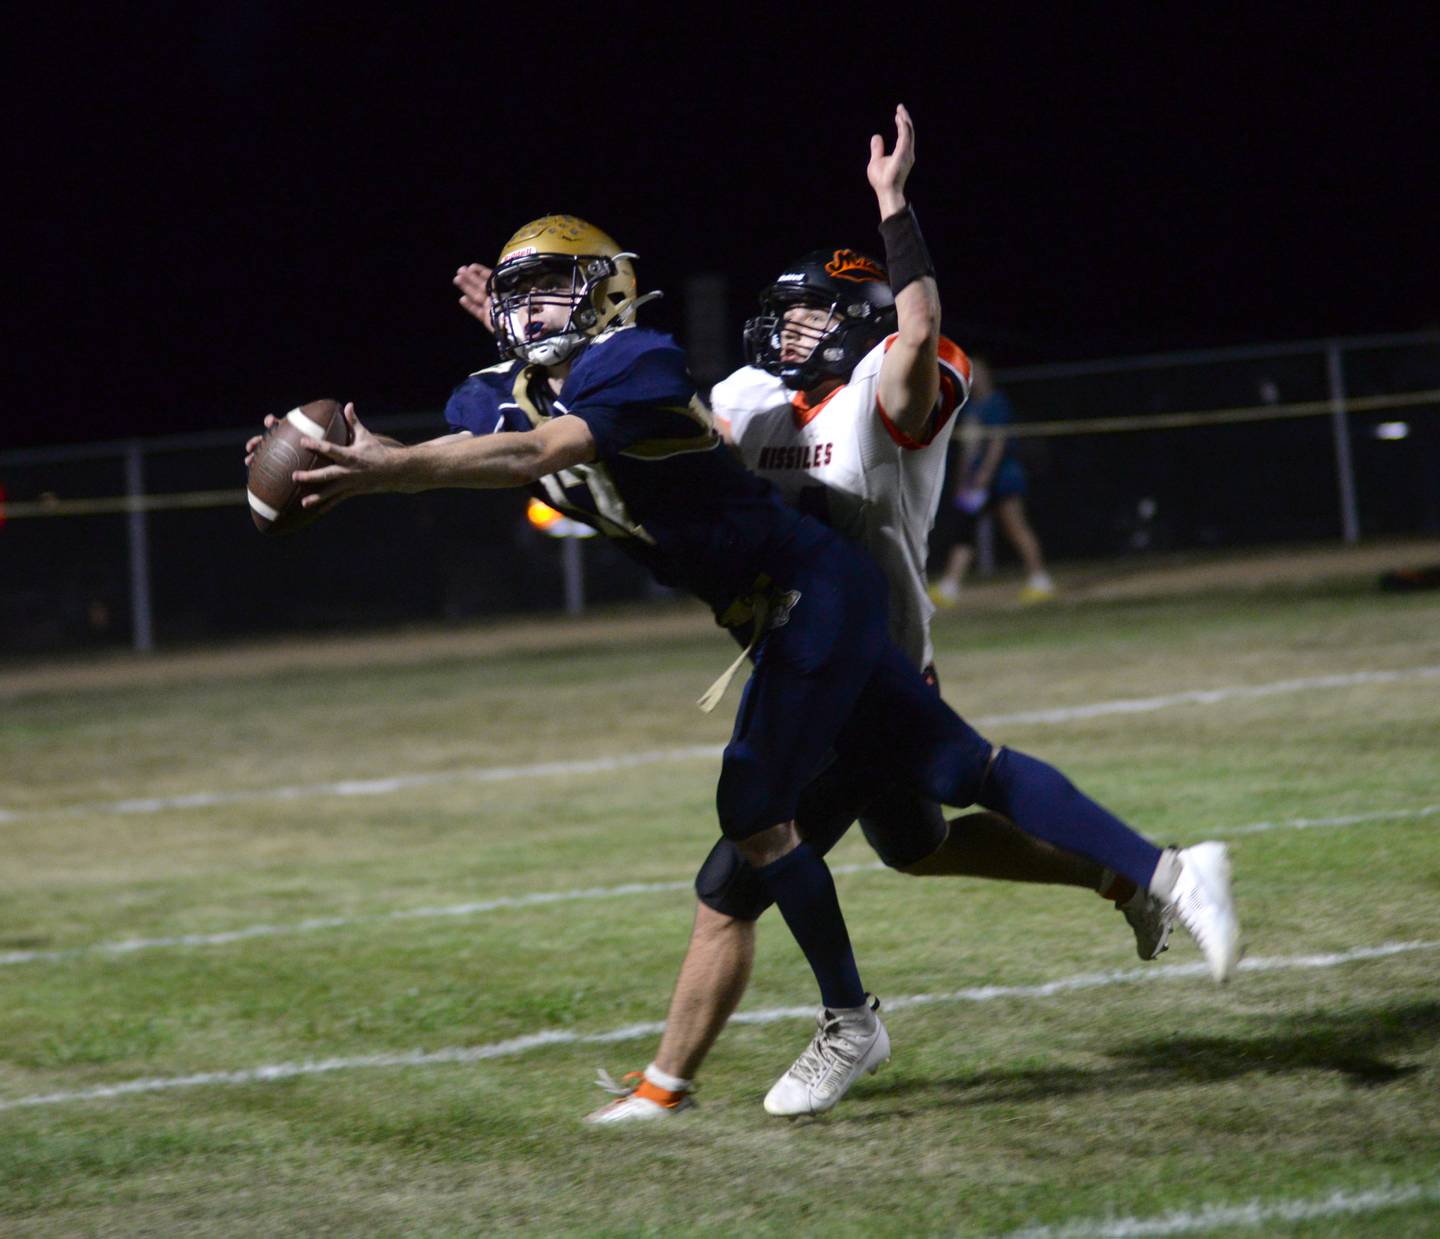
1152, 920
637, 1100
1200, 899
848, 1043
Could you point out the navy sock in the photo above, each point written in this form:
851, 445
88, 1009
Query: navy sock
1044, 803
804, 891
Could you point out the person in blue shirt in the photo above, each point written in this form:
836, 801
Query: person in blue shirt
599, 417
986, 477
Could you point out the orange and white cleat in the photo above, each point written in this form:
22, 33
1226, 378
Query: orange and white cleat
639, 1098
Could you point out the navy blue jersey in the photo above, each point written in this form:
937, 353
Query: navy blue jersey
663, 484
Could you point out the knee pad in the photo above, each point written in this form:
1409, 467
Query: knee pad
729, 884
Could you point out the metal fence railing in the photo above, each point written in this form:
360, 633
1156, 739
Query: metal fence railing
141, 541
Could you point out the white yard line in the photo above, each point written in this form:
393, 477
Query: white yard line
1253, 1214
1213, 696
538, 1040
1348, 819
130, 946
708, 752
393, 783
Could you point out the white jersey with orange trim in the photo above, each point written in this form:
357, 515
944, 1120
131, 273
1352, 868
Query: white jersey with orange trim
845, 461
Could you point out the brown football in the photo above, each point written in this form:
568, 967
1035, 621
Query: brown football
274, 497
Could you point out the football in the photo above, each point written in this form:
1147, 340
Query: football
274, 497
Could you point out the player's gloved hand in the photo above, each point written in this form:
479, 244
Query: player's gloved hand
970, 499
473, 281
252, 443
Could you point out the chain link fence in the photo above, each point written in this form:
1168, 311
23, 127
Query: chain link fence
138, 542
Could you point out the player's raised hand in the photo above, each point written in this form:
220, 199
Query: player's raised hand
888, 173
252, 443
367, 465
473, 281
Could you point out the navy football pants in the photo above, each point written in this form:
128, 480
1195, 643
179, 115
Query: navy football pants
829, 679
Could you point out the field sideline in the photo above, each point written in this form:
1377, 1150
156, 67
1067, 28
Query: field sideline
329, 938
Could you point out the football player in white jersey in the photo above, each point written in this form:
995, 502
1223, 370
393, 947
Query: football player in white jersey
832, 353
808, 414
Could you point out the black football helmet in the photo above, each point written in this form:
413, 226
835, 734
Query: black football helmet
852, 287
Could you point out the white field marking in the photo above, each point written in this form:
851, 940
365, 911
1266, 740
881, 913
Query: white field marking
1253, 1214
130, 946
631, 1032
1348, 819
1212, 696
607, 765
385, 786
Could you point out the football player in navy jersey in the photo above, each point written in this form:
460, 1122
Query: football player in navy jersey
808, 413
600, 415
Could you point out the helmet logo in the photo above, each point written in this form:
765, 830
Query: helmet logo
848, 265
567, 226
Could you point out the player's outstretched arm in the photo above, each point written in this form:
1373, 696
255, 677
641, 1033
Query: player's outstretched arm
910, 374
372, 466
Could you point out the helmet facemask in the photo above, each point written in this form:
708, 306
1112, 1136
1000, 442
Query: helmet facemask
805, 354
546, 306
859, 313
558, 283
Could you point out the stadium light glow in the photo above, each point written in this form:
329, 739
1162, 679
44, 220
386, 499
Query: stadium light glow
557, 525
1392, 430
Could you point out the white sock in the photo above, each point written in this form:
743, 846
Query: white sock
1040, 580
663, 1079
1167, 872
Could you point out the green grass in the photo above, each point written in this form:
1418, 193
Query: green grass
1150, 1093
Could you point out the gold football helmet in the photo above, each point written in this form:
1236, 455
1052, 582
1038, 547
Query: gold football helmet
551, 263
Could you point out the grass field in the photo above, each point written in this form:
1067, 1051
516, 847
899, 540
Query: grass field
355, 1007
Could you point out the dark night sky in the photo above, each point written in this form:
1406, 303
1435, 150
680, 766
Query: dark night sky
227, 208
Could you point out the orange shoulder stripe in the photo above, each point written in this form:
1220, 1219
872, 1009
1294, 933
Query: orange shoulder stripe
954, 365
953, 355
